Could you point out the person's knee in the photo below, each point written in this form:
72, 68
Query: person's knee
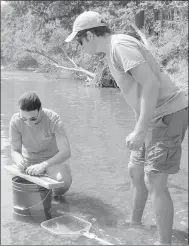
62, 175
136, 173
62, 190
66, 178
156, 183
66, 186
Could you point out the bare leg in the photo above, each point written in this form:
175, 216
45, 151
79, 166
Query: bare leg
162, 205
61, 172
140, 192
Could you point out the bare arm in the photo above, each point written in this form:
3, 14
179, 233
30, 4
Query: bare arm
143, 74
63, 154
16, 145
16, 155
62, 143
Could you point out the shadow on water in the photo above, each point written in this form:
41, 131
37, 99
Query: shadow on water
105, 221
90, 208
103, 217
99, 214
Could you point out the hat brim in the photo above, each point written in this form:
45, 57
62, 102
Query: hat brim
71, 37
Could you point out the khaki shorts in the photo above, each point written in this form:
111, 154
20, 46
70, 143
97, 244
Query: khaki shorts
161, 151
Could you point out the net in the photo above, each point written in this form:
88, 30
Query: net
66, 225
71, 226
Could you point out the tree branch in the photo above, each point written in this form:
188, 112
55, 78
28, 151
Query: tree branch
41, 53
55, 63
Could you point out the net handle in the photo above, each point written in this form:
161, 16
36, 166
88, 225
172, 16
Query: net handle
93, 236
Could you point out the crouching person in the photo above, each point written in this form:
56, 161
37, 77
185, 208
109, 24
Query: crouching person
39, 144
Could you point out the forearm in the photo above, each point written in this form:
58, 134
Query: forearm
147, 108
17, 157
59, 158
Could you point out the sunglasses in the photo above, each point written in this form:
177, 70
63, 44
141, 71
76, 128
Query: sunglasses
79, 38
30, 119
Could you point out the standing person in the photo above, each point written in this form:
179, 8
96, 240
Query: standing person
39, 143
161, 110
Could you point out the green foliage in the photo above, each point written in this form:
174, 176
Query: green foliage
26, 61
44, 25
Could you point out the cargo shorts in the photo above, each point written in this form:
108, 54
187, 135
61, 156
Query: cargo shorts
161, 151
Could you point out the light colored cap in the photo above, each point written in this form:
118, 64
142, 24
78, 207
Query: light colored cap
86, 20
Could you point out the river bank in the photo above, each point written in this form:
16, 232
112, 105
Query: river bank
180, 78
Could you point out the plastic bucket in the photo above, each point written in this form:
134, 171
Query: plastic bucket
30, 199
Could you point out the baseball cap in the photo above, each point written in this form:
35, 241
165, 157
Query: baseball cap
86, 20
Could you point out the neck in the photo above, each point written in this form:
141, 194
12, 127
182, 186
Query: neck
104, 44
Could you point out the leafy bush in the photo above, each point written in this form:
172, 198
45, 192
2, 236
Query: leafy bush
44, 25
26, 62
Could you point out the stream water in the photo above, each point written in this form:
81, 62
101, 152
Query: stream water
97, 121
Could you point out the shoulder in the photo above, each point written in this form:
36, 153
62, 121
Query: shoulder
125, 40
127, 51
15, 123
15, 119
123, 45
51, 115
55, 123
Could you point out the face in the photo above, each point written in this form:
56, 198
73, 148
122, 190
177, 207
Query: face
29, 117
88, 42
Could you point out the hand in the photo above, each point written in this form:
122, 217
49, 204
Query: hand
135, 140
22, 165
36, 169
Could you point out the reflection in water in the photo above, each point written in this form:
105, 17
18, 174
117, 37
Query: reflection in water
97, 121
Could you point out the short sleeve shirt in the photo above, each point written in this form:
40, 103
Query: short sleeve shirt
39, 142
126, 53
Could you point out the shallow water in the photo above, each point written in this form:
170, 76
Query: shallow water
97, 121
